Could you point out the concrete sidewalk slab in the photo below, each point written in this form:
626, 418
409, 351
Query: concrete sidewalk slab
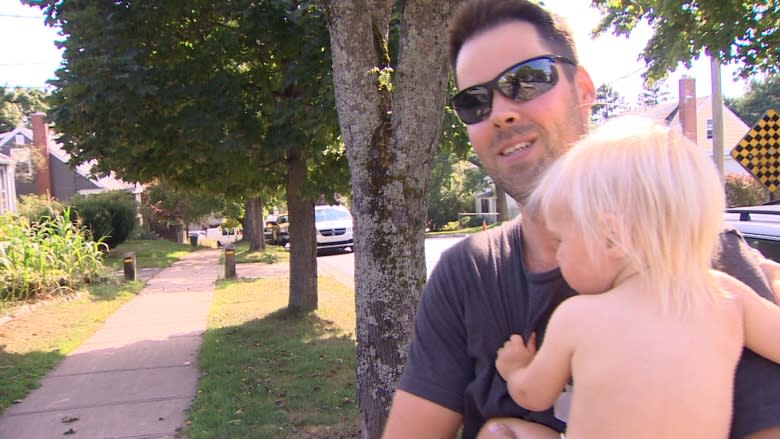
135, 377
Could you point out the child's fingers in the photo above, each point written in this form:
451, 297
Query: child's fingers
532, 342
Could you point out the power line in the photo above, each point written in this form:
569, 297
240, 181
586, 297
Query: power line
36, 17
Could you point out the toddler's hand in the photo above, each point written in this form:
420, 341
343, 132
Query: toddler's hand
515, 354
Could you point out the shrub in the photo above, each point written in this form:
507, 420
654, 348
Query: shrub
471, 221
744, 190
110, 216
451, 226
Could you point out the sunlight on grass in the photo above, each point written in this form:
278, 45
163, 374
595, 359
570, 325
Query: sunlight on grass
148, 253
272, 254
269, 372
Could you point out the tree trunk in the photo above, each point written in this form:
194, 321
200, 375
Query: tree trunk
303, 244
390, 132
253, 224
501, 205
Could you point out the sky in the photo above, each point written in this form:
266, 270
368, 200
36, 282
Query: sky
29, 56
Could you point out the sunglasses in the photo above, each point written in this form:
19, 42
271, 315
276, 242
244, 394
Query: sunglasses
521, 83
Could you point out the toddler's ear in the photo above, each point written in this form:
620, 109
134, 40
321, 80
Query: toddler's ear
614, 231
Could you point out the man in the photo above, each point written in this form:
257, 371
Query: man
525, 99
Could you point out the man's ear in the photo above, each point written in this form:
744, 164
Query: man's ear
585, 89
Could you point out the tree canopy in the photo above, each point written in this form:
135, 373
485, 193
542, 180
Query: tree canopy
608, 103
731, 30
218, 97
653, 94
210, 96
17, 104
761, 96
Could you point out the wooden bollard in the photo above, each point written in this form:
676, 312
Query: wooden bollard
128, 261
230, 261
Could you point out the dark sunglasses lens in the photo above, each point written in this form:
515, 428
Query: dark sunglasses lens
521, 83
528, 81
473, 104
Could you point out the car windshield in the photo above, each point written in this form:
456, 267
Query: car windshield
331, 215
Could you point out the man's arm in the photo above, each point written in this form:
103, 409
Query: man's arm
412, 417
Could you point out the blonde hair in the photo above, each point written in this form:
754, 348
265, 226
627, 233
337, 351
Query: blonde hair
651, 192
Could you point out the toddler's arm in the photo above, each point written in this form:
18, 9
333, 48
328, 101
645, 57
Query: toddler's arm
760, 319
535, 382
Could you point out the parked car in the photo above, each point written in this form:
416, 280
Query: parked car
218, 234
760, 225
334, 227
275, 230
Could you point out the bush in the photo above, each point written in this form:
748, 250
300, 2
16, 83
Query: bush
744, 190
471, 221
451, 226
110, 216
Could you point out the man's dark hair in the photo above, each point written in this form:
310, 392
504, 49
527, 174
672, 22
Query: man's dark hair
477, 16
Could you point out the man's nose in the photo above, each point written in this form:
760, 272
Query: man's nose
505, 111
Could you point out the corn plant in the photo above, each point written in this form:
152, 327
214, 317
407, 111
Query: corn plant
45, 258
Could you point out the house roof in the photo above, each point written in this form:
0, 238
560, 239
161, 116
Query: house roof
110, 182
8, 135
665, 112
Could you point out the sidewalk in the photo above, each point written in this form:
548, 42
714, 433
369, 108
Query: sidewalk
137, 375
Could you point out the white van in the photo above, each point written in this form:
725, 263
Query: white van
221, 235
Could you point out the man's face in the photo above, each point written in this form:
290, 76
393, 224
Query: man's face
517, 142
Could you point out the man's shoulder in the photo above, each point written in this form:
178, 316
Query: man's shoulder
493, 247
507, 233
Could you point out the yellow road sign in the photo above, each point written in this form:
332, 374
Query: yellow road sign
759, 151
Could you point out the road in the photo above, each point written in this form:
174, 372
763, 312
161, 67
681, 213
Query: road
342, 266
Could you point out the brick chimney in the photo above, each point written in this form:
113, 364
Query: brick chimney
687, 107
41, 160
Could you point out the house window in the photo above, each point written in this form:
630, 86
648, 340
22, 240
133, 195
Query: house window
19, 140
485, 208
23, 159
709, 128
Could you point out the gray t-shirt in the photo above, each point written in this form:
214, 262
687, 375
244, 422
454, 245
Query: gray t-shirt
480, 293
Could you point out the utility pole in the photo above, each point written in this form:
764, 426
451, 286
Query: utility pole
717, 116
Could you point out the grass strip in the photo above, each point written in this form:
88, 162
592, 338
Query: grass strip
148, 253
267, 372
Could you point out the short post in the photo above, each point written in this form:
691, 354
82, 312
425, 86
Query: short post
128, 260
230, 261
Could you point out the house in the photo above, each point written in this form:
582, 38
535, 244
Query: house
486, 205
7, 185
694, 118
41, 165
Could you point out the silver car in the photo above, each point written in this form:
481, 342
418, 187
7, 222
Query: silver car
760, 225
334, 227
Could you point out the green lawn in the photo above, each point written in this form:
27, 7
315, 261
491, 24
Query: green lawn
271, 373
